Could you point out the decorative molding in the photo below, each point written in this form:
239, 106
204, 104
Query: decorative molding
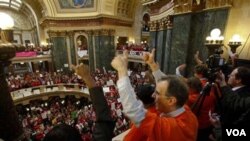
98, 32
104, 32
183, 6
160, 7
57, 33
89, 32
211, 4
125, 8
71, 34
162, 24
112, 32
153, 25
85, 22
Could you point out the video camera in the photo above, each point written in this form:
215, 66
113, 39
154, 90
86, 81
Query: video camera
215, 63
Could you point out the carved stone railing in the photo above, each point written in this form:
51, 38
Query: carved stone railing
133, 56
45, 91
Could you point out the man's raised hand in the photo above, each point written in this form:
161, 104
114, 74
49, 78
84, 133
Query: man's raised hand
149, 58
120, 63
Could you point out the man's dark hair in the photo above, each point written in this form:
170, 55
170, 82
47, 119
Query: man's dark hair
63, 132
243, 74
177, 88
144, 93
201, 69
194, 83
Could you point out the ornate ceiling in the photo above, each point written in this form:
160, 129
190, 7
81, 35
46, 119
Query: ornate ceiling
73, 8
47, 12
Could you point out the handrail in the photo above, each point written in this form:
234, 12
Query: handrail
47, 90
133, 56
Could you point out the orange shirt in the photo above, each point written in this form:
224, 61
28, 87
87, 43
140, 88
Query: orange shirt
135, 134
160, 128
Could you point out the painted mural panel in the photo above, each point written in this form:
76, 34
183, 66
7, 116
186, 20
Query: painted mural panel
72, 4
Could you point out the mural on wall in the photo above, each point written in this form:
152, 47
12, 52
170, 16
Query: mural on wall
71, 4
82, 43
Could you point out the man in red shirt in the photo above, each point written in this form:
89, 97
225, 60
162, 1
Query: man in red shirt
175, 123
144, 93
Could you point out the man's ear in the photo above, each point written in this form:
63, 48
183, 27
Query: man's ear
238, 80
172, 101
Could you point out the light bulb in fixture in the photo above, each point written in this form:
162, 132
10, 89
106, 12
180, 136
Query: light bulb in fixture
215, 33
236, 38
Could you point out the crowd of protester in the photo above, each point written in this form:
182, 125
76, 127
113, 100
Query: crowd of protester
32, 79
39, 49
134, 47
188, 98
39, 117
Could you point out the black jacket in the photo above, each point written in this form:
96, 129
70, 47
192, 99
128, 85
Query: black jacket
235, 105
243, 91
104, 125
235, 112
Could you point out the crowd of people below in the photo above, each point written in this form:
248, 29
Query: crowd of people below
39, 117
133, 47
196, 108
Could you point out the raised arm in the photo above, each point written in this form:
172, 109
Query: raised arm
197, 58
230, 99
149, 59
104, 123
132, 107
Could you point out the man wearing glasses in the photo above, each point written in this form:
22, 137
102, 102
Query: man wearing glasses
175, 123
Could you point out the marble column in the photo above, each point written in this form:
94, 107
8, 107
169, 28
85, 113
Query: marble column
160, 49
91, 50
167, 51
72, 48
200, 27
153, 34
104, 48
59, 50
180, 41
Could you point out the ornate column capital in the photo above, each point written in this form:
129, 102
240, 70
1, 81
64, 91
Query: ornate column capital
103, 32
111, 32
52, 33
89, 32
96, 32
153, 26
210, 4
71, 34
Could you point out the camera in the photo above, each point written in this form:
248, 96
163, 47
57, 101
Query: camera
215, 63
